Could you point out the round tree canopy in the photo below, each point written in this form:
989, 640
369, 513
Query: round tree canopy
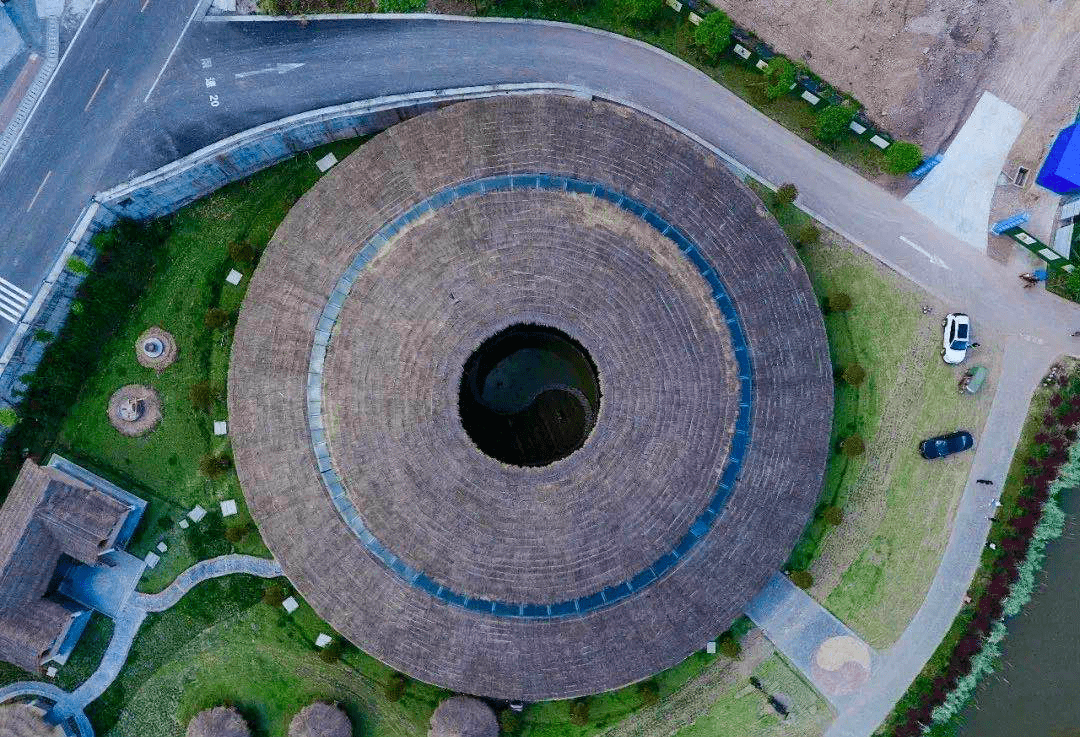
221, 721
321, 720
463, 716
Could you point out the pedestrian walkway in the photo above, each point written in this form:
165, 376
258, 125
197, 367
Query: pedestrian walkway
127, 621
831, 656
11, 132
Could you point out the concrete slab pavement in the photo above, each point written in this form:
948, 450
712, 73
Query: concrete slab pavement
957, 193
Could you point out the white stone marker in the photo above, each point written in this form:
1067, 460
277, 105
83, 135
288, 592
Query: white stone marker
183, 524
290, 604
228, 508
323, 640
51, 671
162, 548
711, 647
197, 514
151, 560
326, 162
234, 277
221, 427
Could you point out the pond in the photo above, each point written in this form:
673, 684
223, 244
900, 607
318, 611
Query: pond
1033, 694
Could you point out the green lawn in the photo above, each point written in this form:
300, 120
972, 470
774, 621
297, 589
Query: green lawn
873, 570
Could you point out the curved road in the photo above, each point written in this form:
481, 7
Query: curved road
223, 77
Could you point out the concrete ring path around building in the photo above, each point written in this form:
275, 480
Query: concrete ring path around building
704, 436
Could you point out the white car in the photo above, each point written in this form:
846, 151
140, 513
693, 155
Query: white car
957, 337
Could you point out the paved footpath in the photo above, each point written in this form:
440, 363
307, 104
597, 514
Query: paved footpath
127, 623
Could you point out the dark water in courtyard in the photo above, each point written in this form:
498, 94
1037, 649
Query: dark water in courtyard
1036, 693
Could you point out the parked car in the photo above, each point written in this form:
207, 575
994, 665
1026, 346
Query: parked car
956, 338
946, 445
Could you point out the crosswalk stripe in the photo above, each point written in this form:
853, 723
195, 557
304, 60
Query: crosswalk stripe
16, 305
14, 289
10, 315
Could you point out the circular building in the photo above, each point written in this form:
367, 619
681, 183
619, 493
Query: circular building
221, 721
23, 720
529, 396
321, 720
462, 716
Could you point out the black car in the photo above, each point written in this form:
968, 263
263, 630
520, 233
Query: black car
946, 445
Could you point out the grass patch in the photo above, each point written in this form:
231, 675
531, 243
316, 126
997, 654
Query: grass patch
674, 33
873, 570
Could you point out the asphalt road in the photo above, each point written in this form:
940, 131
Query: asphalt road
228, 76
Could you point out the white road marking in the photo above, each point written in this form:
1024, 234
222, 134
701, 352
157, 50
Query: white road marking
279, 68
96, 91
38, 193
933, 259
13, 301
174, 48
145, 3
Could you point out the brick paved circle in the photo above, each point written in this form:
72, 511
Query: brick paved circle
397, 528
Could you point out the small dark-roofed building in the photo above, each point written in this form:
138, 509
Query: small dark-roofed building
49, 521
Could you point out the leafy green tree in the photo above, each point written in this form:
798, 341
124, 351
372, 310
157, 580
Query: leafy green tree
839, 302
853, 374
832, 124
649, 692
808, 234
8, 418
394, 688
729, 646
274, 595
785, 194
902, 157
640, 12
579, 712
853, 445
802, 579
402, 6
833, 515
779, 77
713, 34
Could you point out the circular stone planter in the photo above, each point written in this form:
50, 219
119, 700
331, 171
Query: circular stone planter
134, 409
156, 349
666, 355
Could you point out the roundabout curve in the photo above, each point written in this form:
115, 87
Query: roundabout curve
543, 574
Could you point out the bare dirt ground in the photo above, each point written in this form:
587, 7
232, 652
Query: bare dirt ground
919, 66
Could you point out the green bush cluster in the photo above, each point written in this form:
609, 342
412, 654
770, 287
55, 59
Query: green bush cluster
713, 34
8, 417
832, 124
639, 12
853, 374
579, 712
402, 6
785, 195
128, 255
853, 445
77, 266
803, 579
902, 157
394, 689
779, 76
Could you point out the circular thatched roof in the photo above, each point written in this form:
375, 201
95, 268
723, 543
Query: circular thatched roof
462, 716
221, 721
700, 462
321, 720
23, 720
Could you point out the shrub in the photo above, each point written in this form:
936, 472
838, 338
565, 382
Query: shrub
853, 374
274, 594
394, 688
833, 515
204, 396
785, 194
77, 307
236, 533
214, 466
713, 34
216, 318
8, 418
808, 234
649, 692
402, 6
241, 252
852, 446
579, 713
729, 646
509, 722
77, 266
779, 76
803, 579
839, 302
640, 12
902, 157
332, 652
832, 124
43, 336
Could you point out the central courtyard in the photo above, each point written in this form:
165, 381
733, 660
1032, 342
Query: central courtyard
530, 396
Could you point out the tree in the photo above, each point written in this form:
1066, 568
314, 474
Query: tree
802, 579
402, 6
204, 396
394, 688
839, 302
808, 234
832, 124
729, 646
274, 595
236, 533
779, 76
640, 12
902, 157
216, 318
853, 374
649, 692
241, 252
833, 515
853, 445
579, 712
1072, 284
713, 33
8, 418
785, 195
214, 466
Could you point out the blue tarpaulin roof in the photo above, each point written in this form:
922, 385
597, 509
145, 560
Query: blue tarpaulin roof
1061, 172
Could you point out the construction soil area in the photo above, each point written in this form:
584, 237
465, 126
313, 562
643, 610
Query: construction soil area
919, 66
